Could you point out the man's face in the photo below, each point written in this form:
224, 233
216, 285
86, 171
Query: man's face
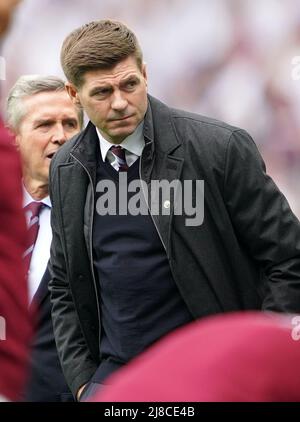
115, 100
50, 120
6, 10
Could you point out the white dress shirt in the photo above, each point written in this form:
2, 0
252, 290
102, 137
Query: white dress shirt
133, 145
41, 252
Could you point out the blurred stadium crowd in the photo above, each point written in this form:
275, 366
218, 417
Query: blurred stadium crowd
229, 59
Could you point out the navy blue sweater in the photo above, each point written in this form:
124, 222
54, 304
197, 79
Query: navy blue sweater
139, 300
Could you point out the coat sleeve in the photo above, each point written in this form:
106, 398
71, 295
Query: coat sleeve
76, 360
263, 222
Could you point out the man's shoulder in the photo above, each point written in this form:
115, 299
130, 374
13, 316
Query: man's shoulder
199, 120
187, 122
63, 154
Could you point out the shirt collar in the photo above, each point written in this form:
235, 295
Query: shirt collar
134, 143
27, 198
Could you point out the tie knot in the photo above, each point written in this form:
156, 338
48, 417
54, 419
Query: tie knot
33, 208
119, 153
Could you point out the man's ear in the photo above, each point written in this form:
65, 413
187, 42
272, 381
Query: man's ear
144, 73
17, 140
73, 93
14, 134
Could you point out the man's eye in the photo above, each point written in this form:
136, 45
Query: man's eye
45, 124
102, 92
131, 84
71, 124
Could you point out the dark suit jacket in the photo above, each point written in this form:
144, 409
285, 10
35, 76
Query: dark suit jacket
46, 382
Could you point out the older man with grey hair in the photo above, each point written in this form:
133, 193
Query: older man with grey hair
42, 117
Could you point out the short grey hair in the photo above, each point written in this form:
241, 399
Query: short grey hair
29, 85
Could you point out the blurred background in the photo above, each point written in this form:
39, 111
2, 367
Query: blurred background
229, 59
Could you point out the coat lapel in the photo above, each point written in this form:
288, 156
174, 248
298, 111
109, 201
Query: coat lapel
76, 193
42, 291
160, 164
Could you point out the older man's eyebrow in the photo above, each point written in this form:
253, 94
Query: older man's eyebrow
49, 121
43, 121
71, 120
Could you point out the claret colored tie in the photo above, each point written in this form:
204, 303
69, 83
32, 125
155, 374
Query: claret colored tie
119, 153
33, 208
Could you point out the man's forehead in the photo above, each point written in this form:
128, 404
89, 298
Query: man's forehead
52, 100
120, 71
47, 97
110, 77
49, 105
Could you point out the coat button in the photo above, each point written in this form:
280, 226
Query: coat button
167, 204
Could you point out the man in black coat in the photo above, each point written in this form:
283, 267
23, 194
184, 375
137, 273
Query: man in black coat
159, 216
42, 117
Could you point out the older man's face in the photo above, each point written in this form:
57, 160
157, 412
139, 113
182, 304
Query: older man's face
49, 121
114, 99
6, 10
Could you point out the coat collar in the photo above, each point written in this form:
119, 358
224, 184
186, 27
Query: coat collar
159, 127
159, 133
87, 147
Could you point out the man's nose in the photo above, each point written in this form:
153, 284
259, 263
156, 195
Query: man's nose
59, 135
119, 102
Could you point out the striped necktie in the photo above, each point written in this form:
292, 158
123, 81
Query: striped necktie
33, 209
119, 153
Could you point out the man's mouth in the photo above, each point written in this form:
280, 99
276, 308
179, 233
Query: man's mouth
120, 118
